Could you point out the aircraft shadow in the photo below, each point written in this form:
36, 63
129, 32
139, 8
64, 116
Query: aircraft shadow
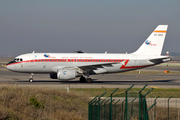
109, 82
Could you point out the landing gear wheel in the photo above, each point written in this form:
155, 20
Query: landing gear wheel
89, 80
31, 80
82, 79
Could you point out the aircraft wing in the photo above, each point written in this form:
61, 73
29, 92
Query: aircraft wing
97, 68
87, 68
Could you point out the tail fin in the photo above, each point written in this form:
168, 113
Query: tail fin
154, 43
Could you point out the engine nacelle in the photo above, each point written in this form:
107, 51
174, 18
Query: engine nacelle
66, 74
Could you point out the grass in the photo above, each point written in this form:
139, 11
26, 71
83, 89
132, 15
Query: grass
161, 113
32, 103
121, 92
156, 113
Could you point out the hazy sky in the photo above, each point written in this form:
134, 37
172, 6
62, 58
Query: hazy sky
116, 26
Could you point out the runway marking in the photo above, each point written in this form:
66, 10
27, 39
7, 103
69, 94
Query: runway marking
158, 79
153, 87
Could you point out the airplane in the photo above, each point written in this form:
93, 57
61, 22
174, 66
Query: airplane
67, 66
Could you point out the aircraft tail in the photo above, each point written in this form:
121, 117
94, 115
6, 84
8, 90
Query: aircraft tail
154, 43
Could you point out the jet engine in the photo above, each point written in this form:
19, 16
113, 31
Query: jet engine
64, 74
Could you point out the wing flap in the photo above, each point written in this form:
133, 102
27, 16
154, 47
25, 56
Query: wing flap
96, 69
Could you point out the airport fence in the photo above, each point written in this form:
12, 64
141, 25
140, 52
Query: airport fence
135, 105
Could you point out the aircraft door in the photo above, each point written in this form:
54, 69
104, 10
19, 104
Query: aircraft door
134, 60
32, 60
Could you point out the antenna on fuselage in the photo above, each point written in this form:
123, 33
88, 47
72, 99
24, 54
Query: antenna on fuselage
105, 52
79, 51
33, 52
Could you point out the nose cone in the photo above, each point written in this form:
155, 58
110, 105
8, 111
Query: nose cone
10, 66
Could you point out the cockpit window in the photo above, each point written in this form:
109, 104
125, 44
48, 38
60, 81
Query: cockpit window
15, 60
18, 59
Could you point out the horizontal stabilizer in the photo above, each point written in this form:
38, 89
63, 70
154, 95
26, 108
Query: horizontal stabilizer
160, 59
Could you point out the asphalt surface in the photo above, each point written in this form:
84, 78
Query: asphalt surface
106, 80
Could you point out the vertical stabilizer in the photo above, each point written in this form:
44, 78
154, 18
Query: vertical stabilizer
154, 43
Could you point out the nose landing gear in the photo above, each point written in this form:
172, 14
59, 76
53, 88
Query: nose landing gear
31, 78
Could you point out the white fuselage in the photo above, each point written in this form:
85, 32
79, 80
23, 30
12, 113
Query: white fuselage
40, 63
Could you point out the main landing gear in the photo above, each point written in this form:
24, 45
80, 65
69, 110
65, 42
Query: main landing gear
31, 78
84, 80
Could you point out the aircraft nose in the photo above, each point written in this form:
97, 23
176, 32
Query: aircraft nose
9, 66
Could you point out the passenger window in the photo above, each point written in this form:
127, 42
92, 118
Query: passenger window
21, 59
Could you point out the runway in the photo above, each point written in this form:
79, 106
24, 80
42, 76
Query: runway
107, 80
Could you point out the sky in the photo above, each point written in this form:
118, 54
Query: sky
94, 26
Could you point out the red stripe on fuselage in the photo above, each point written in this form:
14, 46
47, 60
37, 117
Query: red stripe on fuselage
84, 60
70, 60
131, 67
124, 66
14, 63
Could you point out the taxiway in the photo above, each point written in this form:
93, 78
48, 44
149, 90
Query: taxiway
162, 80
